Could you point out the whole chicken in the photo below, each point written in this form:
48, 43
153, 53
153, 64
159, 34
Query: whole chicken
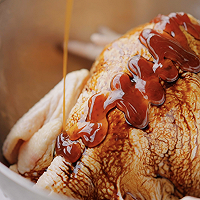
134, 131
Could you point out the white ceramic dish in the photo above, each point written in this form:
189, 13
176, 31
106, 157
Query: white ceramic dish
30, 63
16, 187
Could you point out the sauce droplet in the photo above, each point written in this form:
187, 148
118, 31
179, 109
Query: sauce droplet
70, 150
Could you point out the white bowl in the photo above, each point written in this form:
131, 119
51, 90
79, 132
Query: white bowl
31, 64
16, 187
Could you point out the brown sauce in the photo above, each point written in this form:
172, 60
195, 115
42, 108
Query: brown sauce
132, 93
65, 51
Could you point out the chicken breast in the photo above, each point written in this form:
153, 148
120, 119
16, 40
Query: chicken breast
134, 131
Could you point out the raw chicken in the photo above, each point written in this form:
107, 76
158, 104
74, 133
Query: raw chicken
30, 143
133, 133
109, 151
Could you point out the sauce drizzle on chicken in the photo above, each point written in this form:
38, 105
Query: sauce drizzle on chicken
132, 92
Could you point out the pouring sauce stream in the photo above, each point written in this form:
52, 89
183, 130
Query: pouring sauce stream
65, 52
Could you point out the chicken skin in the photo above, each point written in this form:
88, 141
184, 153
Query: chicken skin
134, 131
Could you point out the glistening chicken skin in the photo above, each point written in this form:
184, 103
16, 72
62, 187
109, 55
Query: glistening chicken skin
134, 131
116, 159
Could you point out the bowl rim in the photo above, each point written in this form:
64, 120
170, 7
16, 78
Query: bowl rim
27, 184
15, 177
